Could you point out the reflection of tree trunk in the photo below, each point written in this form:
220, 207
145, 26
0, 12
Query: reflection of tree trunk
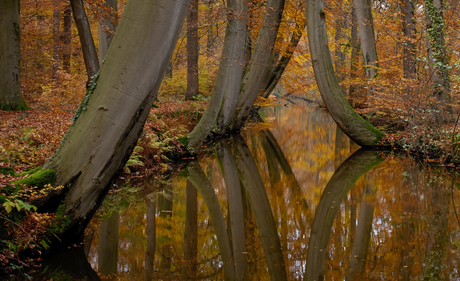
88, 240
165, 208
406, 233
261, 209
334, 193
437, 237
191, 231
236, 210
202, 184
108, 245
151, 239
363, 236
273, 169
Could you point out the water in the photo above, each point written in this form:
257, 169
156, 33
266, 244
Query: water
292, 199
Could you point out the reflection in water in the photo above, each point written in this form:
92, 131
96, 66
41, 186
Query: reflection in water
286, 205
108, 246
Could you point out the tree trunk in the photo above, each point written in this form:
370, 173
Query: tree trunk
107, 27
284, 61
67, 38
56, 40
192, 51
409, 39
10, 54
437, 52
355, 127
254, 82
228, 76
107, 125
355, 46
86, 39
366, 33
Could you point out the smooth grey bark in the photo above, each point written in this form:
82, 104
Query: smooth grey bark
192, 51
110, 120
10, 54
260, 205
355, 127
362, 237
236, 211
367, 37
151, 239
284, 61
335, 192
86, 39
202, 184
228, 76
107, 252
107, 27
254, 82
408, 25
191, 231
437, 52
236, 71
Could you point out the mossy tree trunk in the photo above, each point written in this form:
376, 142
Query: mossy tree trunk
110, 120
437, 52
10, 53
355, 127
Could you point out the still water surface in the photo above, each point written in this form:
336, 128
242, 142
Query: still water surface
293, 199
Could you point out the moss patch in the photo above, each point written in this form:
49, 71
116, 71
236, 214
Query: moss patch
8, 171
38, 179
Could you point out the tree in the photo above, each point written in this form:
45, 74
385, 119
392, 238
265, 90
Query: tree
437, 52
192, 51
227, 85
108, 123
86, 39
10, 87
367, 38
56, 39
408, 25
107, 27
67, 37
355, 127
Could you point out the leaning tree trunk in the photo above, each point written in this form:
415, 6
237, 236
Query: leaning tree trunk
86, 39
355, 127
10, 87
107, 27
366, 33
107, 125
228, 76
254, 81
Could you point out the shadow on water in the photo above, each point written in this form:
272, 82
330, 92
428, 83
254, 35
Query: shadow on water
258, 209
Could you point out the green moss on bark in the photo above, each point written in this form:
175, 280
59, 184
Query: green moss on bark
38, 179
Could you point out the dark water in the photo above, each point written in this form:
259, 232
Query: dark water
292, 199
